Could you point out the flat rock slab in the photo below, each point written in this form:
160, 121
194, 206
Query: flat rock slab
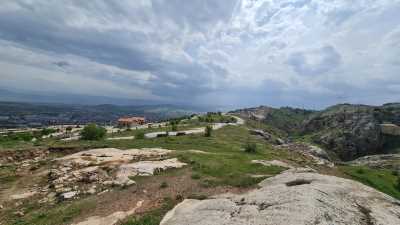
146, 168
295, 197
23, 195
272, 163
109, 155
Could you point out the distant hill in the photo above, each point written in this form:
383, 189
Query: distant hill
16, 114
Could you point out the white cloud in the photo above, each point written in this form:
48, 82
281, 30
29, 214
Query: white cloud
334, 49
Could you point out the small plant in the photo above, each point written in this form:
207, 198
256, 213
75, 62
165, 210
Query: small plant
139, 135
174, 127
196, 176
250, 147
163, 185
398, 183
208, 131
360, 171
395, 173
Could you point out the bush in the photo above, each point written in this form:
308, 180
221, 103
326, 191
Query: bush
139, 135
250, 147
47, 131
398, 184
196, 176
174, 127
208, 131
93, 132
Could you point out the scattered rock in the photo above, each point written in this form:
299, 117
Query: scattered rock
19, 213
68, 195
292, 197
319, 155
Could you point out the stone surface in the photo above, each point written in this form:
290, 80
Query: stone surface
319, 155
390, 129
23, 195
110, 155
145, 168
98, 168
295, 197
387, 161
272, 163
68, 195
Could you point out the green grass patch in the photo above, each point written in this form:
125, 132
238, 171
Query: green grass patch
62, 213
153, 217
381, 179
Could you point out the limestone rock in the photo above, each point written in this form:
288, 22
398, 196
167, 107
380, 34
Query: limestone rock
294, 197
68, 195
386, 161
272, 163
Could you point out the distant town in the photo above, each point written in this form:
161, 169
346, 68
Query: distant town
28, 115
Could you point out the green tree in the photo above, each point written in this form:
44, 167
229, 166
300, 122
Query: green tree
93, 132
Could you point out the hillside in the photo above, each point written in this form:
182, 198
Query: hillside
348, 131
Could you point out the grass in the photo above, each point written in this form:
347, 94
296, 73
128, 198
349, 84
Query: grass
381, 179
227, 164
7, 175
153, 217
59, 214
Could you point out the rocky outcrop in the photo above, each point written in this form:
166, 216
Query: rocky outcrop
387, 161
390, 129
352, 131
319, 155
295, 197
286, 119
94, 171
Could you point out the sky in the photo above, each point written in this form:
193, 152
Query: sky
301, 53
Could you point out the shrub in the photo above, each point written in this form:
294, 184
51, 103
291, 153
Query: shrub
196, 176
398, 184
208, 131
139, 135
174, 127
47, 131
250, 147
360, 171
93, 132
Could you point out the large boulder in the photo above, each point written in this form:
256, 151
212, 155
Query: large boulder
295, 197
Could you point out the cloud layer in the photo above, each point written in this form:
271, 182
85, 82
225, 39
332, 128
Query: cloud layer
304, 53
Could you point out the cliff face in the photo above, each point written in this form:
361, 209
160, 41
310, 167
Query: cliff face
348, 131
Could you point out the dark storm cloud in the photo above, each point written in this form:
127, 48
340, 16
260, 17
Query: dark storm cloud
230, 52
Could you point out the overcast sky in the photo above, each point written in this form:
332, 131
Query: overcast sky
304, 53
